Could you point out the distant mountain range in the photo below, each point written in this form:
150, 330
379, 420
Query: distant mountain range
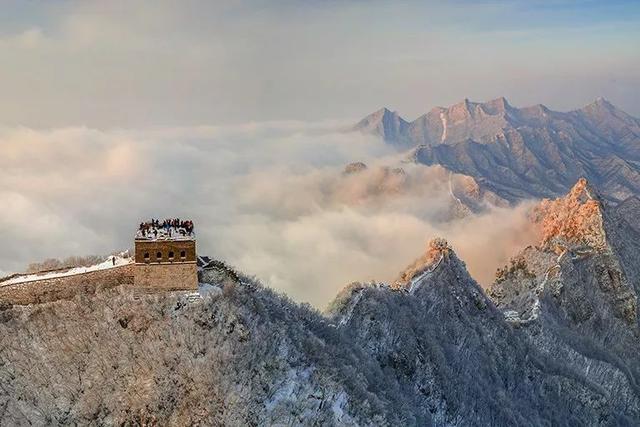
520, 153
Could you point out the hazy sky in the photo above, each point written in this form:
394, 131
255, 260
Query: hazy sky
129, 64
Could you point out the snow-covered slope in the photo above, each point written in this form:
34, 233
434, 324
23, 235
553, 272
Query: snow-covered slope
110, 262
460, 361
574, 294
555, 343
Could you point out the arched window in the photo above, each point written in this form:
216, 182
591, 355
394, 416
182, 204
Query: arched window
183, 254
159, 256
146, 257
170, 255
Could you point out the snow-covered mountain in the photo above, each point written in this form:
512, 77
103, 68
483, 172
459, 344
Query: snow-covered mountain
575, 295
554, 342
520, 153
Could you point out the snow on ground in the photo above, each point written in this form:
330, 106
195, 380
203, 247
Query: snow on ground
171, 233
338, 405
512, 316
443, 118
416, 280
347, 316
107, 264
453, 196
205, 289
291, 387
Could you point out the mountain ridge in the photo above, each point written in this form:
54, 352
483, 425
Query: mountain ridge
522, 153
494, 106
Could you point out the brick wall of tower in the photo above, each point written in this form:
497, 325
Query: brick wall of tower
170, 270
166, 276
165, 247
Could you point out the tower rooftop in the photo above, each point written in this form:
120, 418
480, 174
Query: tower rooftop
168, 229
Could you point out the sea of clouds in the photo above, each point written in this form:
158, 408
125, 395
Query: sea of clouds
269, 198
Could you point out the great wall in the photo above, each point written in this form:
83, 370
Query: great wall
164, 259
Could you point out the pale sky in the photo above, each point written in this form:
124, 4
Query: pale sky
123, 64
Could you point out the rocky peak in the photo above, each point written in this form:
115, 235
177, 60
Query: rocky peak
496, 106
583, 191
582, 272
381, 113
535, 115
603, 109
573, 220
460, 111
466, 109
354, 167
385, 123
602, 102
374, 119
437, 251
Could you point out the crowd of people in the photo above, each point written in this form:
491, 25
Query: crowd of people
166, 228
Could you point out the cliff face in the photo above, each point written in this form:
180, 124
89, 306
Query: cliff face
572, 221
574, 294
585, 247
554, 343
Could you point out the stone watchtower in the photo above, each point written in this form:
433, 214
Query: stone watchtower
165, 256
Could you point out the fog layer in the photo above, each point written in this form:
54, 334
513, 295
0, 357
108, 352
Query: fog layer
269, 198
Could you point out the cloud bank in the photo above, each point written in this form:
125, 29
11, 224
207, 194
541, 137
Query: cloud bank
269, 198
